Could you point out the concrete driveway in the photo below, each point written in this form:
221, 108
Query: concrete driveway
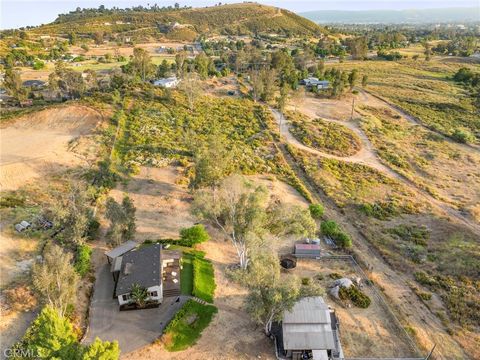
132, 329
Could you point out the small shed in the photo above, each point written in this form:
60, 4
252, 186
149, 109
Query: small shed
120, 250
307, 250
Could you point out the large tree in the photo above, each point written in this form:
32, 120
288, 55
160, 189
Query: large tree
141, 64
55, 279
13, 84
122, 220
238, 209
270, 294
190, 85
242, 212
50, 336
71, 215
212, 161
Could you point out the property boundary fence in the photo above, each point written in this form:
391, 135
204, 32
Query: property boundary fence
381, 300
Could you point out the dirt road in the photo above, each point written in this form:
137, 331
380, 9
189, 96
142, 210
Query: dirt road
367, 155
404, 303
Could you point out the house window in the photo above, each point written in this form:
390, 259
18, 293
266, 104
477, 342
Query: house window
153, 293
126, 297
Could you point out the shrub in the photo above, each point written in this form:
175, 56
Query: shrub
329, 228
11, 200
416, 234
425, 296
306, 281
425, 279
462, 136
194, 235
83, 259
316, 210
356, 296
380, 210
343, 240
335, 276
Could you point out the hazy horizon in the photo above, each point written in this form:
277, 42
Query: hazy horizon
14, 13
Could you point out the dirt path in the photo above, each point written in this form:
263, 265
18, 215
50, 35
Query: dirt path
367, 156
403, 301
371, 98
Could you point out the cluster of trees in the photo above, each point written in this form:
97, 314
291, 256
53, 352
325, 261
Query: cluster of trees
462, 46
457, 41
80, 13
122, 220
52, 336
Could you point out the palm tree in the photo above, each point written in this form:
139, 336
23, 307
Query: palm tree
139, 295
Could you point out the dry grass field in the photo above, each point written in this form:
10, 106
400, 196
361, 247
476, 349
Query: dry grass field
365, 333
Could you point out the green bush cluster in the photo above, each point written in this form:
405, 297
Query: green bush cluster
83, 259
419, 235
193, 235
316, 210
380, 210
52, 336
330, 228
356, 296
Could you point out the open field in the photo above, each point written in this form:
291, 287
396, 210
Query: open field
424, 90
42, 143
162, 205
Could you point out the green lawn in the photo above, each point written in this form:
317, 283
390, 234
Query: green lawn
186, 274
187, 325
196, 276
203, 279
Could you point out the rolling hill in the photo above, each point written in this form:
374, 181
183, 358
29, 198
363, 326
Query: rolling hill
414, 16
233, 19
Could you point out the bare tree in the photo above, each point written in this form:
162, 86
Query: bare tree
191, 87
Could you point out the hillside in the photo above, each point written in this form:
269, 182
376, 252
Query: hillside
414, 16
234, 19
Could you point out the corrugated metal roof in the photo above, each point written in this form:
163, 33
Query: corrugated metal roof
307, 246
309, 310
308, 337
308, 326
122, 249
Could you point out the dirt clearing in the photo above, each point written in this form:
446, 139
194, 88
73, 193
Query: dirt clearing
37, 144
162, 204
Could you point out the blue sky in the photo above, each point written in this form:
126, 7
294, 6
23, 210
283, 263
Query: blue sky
17, 13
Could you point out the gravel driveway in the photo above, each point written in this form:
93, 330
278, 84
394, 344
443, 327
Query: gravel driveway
132, 329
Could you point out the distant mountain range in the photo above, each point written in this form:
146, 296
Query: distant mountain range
414, 16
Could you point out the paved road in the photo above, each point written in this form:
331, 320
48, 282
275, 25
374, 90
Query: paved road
132, 329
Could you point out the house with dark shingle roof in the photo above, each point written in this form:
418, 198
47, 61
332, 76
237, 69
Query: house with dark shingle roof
139, 266
148, 266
